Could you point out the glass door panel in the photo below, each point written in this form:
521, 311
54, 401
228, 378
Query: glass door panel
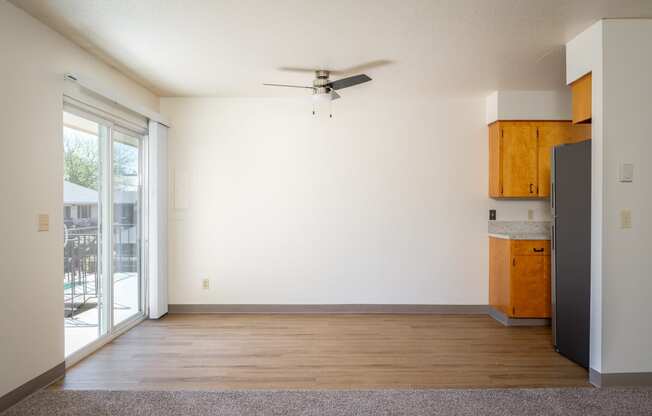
82, 274
126, 261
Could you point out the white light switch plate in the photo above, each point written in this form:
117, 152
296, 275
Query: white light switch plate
43, 223
626, 172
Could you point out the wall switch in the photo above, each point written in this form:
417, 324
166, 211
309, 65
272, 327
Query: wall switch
206, 284
626, 172
492, 215
625, 219
43, 223
530, 214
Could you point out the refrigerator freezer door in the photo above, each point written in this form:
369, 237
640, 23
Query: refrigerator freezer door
572, 250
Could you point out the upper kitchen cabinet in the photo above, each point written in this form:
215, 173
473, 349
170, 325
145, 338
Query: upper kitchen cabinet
549, 135
520, 152
581, 93
518, 156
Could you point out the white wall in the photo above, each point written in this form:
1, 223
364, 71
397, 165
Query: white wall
627, 259
385, 203
33, 60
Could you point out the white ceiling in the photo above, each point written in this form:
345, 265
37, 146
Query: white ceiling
229, 47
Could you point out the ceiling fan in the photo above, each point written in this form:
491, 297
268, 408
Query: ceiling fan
323, 89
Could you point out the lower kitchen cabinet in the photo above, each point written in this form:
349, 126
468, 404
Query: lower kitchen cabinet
519, 277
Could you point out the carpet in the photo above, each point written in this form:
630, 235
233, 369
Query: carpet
531, 402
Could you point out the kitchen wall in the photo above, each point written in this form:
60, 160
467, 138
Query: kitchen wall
384, 203
33, 60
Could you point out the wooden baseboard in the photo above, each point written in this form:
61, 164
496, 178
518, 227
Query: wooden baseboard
331, 309
33, 385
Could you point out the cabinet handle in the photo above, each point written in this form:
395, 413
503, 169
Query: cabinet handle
538, 250
531, 191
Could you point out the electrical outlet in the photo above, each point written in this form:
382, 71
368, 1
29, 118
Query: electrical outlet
492, 215
530, 214
206, 284
625, 219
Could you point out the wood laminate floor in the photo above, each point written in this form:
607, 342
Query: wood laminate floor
325, 351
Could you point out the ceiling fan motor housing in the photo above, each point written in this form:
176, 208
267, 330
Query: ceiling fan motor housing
321, 81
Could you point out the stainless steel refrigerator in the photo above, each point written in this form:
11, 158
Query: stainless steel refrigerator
571, 249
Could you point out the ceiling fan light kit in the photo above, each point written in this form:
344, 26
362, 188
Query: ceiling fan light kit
324, 90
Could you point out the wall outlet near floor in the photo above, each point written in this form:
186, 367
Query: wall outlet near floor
206, 284
530, 214
625, 219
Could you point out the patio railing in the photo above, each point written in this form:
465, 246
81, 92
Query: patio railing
81, 264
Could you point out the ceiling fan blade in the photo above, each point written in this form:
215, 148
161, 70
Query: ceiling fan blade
363, 67
289, 86
310, 70
348, 82
335, 96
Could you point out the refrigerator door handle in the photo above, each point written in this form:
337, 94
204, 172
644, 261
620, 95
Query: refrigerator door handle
553, 285
552, 181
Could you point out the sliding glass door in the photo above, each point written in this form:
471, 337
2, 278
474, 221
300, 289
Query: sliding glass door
83, 293
103, 213
126, 198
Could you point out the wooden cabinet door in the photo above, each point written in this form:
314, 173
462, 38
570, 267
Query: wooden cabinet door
579, 133
550, 134
495, 175
530, 287
519, 159
499, 274
582, 96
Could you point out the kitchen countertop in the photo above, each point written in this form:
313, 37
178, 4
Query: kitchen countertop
519, 230
521, 236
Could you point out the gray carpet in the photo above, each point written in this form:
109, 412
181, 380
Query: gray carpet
531, 402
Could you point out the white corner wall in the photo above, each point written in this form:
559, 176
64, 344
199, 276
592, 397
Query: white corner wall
386, 203
32, 64
627, 254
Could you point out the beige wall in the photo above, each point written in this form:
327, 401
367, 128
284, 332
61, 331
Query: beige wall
33, 60
385, 203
